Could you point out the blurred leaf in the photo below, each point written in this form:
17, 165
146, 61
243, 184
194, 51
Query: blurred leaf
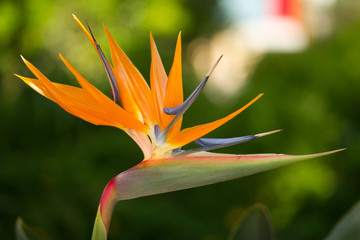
348, 228
22, 231
19, 230
255, 224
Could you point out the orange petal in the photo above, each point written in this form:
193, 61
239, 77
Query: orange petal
73, 100
132, 110
140, 138
36, 85
190, 134
127, 99
108, 105
158, 80
133, 79
174, 89
74, 93
79, 103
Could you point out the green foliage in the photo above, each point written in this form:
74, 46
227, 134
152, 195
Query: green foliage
255, 224
19, 230
312, 96
25, 232
348, 228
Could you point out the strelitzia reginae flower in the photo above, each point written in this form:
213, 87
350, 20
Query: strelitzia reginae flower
152, 117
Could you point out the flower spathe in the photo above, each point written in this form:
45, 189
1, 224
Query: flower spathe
152, 117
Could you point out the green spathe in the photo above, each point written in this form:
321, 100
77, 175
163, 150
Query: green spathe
165, 175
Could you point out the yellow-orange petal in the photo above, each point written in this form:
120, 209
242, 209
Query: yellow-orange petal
190, 134
174, 89
133, 80
85, 31
158, 80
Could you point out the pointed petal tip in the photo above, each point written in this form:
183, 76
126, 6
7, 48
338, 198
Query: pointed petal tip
106, 30
76, 19
92, 35
335, 151
325, 153
214, 66
22, 57
27, 63
152, 41
267, 133
63, 59
178, 42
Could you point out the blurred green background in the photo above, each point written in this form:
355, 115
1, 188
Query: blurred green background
54, 166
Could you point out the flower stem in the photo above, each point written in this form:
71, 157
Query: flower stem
106, 207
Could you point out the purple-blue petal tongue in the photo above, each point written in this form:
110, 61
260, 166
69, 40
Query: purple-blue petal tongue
209, 142
157, 130
216, 143
181, 109
108, 69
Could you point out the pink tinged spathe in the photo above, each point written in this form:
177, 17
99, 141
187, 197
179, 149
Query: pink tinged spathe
151, 177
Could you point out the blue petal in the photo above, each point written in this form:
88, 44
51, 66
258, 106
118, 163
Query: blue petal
216, 143
110, 74
181, 109
209, 142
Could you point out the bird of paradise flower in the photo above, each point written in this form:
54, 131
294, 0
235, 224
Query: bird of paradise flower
152, 117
